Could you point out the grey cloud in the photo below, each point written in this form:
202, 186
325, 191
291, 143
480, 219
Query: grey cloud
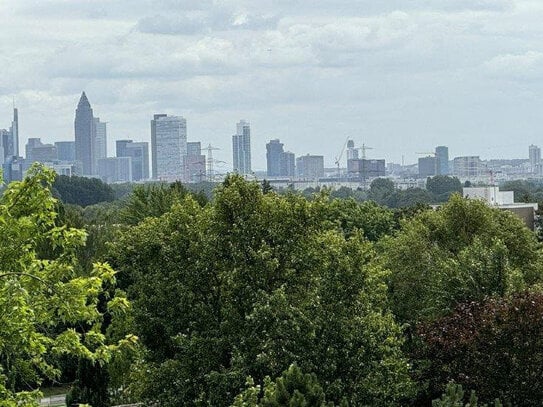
524, 66
213, 19
108, 9
171, 25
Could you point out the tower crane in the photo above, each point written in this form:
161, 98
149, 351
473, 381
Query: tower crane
363, 149
340, 155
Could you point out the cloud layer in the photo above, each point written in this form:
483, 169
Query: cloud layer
399, 76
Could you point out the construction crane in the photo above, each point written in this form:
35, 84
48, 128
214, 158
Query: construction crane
210, 172
340, 156
427, 153
363, 149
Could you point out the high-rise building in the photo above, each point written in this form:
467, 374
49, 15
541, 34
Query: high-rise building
14, 129
36, 151
194, 148
280, 163
352, 152
195, 162
100, 139
115, 169
467, 167
85, 135
7, 144
442, 160
168, 146
65, 150
363, 169
535, 159
288, 164
427, 166
274, 151
310, 167
13, 169
139, 154
241, 148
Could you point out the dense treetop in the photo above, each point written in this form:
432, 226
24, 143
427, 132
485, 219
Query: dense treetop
252, 297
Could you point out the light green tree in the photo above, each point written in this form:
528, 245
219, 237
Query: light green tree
47, 309
464, 251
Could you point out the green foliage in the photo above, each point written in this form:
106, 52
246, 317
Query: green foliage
253, 283
464, 251
82, 191
381, 189
383, 192
293, 388
345, 193
91, 386
154, 201
41, 294
454, 397
525, 191
494, 347
351, 217
442, 186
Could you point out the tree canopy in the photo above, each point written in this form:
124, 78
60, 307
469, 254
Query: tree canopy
253, 283
462, 252
82, 191
47, 309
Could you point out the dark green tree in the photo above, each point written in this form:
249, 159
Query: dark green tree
442, 186
82, 191
293, 388
251, 284
381, 189
154, 201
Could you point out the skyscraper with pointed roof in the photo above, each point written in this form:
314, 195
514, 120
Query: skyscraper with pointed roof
84, 136
15, 131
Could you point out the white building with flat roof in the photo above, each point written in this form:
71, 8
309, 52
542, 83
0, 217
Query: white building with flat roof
241, 148
168, 147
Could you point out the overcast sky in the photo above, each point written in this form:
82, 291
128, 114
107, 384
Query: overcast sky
401, 76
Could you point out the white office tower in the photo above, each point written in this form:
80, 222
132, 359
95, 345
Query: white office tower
100, 140
168, 147
241, 148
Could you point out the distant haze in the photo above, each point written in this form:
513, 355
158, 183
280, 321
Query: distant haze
400, 76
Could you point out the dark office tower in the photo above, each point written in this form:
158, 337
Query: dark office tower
427, 166
154, 161
139, 155
7, 144
84, 135
14, 130
241, 148
36, 151
195, 162
442, 160
65, 150
274, 150
194, 148
288, 166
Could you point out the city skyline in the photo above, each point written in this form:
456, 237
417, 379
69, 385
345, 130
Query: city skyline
388, 74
